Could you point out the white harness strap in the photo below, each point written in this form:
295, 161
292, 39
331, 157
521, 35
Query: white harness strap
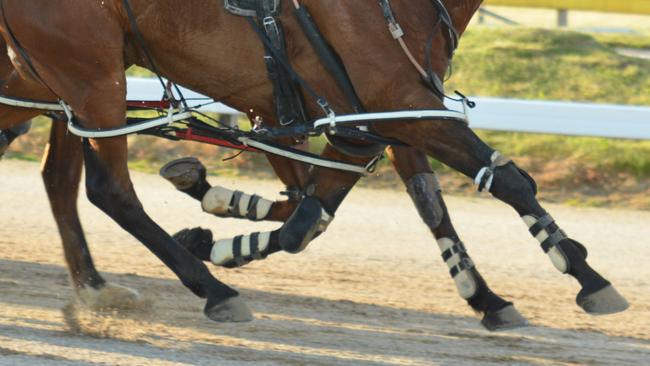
32, 104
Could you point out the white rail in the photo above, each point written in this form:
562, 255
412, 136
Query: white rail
499, 114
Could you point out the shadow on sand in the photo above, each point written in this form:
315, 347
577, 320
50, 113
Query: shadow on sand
289, 329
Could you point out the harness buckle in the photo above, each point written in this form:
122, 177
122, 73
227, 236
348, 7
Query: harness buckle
66, 110
271, 27
325, 106
396, 30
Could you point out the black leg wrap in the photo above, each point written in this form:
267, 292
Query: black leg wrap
423, 189
305, 223
533, 184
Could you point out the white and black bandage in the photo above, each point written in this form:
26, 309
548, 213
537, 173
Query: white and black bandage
460, 265
549, 236
225, 202
240, 250
485, 176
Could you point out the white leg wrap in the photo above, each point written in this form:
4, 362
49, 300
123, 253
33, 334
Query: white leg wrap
223, 201
558, 258
459, 267
240, 249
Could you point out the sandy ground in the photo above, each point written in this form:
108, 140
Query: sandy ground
372, 291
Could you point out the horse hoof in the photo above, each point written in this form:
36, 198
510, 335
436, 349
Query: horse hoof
232, 310
506, 318
183, 173
603, 301
110, 297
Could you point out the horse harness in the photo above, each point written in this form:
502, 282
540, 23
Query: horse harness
288, 88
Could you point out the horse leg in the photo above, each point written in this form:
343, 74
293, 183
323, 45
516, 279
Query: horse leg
324, 192
95, 87
188, 175
456, 145
61, 172
423, 187
9, 135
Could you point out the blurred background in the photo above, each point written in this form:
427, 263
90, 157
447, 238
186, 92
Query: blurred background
594, 51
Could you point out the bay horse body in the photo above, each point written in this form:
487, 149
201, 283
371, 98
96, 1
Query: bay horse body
83, 63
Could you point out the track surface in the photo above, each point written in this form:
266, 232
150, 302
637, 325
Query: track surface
372, 291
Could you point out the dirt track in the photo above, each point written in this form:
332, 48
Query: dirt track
372, 291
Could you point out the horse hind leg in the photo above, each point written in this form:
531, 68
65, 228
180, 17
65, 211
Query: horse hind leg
188, 175
457, 146
61, 172
424, 189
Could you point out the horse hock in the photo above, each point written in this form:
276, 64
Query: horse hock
308, 221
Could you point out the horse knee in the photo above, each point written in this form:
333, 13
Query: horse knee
307, 222
424, 189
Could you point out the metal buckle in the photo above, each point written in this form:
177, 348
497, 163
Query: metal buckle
271, 26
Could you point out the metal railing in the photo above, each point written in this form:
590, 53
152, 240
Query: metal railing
498, 114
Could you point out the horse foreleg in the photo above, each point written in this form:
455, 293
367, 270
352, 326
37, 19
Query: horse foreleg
61, 172
456, 145
423, 188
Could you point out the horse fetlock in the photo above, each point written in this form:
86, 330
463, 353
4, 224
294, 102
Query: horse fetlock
242, 249
308, 221
224, 202
424, 189
549, 236
460, 266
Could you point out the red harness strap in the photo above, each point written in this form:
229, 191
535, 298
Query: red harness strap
153, 104
190, 136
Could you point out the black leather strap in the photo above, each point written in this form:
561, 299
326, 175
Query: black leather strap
458, 247
541, 224
252, 207
255, 246
465, 263
236, 251
553, 240
234, 203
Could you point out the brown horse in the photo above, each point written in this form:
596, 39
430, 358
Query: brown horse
178, 34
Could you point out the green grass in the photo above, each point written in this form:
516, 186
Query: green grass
636, 41
547, 64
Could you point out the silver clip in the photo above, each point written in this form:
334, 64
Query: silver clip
396, 30
66, 110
